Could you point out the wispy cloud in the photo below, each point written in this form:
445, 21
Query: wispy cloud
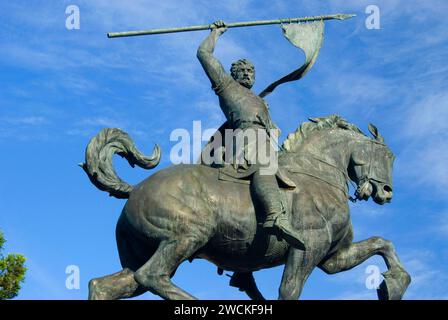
428, 116
38, 276
88, 127
428, 279
27, 120
101, 122
425, 156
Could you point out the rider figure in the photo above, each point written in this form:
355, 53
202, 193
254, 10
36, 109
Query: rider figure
245, 110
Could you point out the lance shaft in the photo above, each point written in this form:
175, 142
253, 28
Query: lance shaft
230, 25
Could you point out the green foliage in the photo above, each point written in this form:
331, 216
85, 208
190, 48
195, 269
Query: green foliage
12, 272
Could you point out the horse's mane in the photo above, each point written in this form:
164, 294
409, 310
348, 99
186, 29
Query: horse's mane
294, 139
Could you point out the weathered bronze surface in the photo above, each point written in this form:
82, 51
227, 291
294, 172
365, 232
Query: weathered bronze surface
247, 222
185, 212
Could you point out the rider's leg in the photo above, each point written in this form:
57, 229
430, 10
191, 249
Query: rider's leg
268, 194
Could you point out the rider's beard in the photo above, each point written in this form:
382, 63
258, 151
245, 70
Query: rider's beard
246, 83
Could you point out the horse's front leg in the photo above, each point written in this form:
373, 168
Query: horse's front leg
396, 279
300, 263
299, 266
294, 275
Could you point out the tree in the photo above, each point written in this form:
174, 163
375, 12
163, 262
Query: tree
12, 272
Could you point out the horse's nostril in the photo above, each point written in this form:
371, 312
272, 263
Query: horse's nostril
387, 189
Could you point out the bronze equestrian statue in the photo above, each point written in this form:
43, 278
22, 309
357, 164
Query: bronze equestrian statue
186, 212
242, 216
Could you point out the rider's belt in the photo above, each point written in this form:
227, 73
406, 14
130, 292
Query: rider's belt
248, 124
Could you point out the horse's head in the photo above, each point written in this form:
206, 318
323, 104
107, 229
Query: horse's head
371, 168
326, 140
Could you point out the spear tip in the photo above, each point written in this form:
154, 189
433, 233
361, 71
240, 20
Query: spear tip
343, 16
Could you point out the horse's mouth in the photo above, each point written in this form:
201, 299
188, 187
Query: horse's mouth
380, 200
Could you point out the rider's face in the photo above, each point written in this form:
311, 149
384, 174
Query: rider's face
245, 75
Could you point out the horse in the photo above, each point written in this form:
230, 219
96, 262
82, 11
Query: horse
185, 212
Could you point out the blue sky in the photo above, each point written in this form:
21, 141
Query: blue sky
59, 87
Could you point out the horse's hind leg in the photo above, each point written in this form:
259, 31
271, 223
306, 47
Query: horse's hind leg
245, 281
133, 254
115, 286
396, 279
155, 275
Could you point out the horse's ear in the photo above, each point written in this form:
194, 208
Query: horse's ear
374, 131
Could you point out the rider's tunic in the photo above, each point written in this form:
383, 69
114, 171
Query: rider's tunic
244, 110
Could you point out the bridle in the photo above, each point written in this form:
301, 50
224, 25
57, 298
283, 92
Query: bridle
366, 175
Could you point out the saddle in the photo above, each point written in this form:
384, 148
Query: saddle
229, 173
242, 174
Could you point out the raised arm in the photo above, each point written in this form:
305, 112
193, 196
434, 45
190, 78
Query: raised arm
213, 68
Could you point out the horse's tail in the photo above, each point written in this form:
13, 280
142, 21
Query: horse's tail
99, 166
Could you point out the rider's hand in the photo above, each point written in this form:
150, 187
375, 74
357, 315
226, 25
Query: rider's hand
219, 26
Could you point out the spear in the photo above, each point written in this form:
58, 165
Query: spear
339, 16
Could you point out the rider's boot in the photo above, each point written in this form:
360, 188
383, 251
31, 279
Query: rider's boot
277, 220
278, 223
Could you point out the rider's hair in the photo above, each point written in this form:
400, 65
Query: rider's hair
238, 64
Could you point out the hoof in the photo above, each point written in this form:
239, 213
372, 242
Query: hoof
245, 282
95, 292
395, 283
241, 281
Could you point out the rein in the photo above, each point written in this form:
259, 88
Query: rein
365, 178
344, 173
